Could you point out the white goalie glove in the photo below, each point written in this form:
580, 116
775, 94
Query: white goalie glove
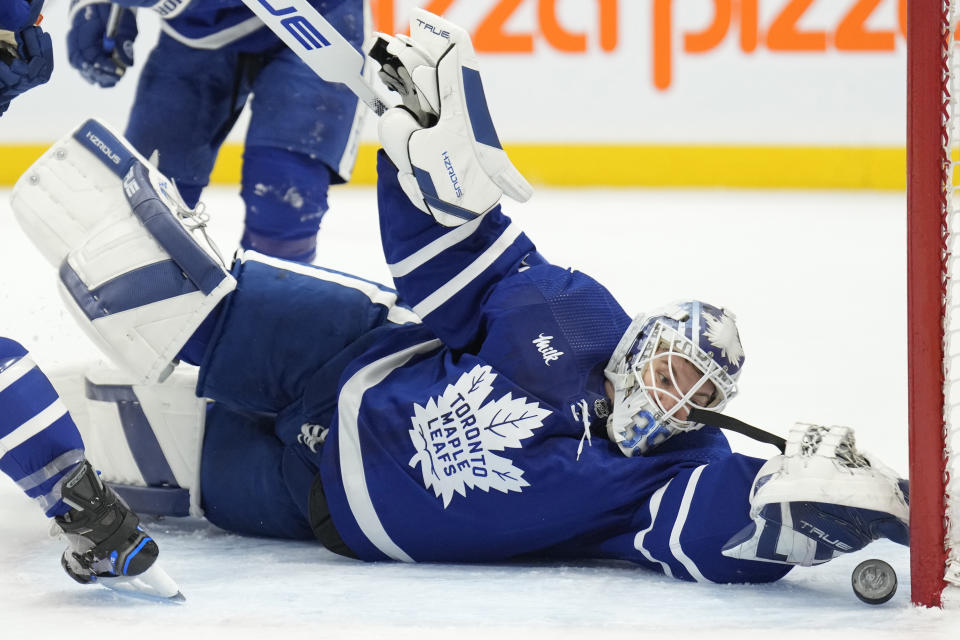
820, 499
442, 140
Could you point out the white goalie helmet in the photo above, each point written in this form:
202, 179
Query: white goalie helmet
685, 356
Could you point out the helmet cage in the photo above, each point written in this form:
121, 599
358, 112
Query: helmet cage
639, 419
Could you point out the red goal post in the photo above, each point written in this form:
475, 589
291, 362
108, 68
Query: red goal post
933, 299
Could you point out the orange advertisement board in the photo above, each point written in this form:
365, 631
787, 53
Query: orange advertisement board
673, 92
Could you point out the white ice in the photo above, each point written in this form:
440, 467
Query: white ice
818, 284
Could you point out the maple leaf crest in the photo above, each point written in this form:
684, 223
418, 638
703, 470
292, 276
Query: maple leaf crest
456, 433
722, 334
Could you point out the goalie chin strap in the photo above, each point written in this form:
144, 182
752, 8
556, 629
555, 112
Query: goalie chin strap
719, 420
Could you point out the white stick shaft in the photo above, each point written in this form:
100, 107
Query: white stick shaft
8, 43
318, 44
113, 20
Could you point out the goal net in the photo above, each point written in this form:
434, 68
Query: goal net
933, 298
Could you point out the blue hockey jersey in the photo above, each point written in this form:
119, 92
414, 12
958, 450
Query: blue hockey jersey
478, 434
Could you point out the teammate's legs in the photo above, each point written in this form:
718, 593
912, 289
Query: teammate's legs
285, 193
187, 101
302, 138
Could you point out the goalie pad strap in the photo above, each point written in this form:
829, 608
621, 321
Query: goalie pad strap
143, 286
140, 437
205, 272
160, 501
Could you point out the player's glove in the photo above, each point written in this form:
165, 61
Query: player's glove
29, 61
454, 169
409, 68
100, 57
821, 498
14, 14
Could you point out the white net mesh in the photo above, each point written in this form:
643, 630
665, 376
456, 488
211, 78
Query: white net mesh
952, 306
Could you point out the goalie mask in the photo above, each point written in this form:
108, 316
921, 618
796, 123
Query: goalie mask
686, 356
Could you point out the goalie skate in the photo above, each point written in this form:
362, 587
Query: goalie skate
107, 545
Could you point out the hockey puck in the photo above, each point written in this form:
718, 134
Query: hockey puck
874, 581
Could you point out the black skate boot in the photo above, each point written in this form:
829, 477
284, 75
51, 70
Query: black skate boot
105, 536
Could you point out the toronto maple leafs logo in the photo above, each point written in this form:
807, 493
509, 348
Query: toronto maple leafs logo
722, 334
455, 436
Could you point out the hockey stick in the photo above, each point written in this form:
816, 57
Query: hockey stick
110, 38
318, 44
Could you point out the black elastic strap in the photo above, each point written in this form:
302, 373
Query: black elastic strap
719, 420
322, 524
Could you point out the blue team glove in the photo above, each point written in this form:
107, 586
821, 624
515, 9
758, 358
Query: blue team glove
31, 65
14, 14
100, 58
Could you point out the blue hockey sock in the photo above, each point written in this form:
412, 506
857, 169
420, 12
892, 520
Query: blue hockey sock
286, 197
190, 193
39, 442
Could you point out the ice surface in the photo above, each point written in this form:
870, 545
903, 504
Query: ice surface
817, 282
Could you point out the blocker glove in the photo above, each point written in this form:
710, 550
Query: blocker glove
442, 139
99, 56
26, 54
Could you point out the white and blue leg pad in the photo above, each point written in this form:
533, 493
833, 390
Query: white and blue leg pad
146, 440
132, 274
72, 187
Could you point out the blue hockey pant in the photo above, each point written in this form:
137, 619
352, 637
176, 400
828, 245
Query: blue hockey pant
272, 367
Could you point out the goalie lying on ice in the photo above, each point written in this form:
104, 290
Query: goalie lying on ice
492, 406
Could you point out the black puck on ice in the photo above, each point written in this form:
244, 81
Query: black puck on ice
874, 581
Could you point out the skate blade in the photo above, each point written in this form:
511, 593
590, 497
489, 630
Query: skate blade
154, 584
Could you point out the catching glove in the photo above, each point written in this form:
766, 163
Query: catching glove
442, 139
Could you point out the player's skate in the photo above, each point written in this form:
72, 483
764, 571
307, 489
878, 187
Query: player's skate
107, 544
131, 271
820, 499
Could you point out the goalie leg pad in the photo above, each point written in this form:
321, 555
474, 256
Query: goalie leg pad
71, 188
131, 273
145, 439
820, 499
